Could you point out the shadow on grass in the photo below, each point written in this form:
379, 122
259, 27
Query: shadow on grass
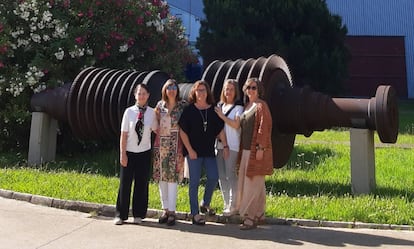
301, 188
307, 157
104, 163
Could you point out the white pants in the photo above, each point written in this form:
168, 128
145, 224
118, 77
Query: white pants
168, 195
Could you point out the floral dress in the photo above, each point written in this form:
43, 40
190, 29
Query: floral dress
168, 163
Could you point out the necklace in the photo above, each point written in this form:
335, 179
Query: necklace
205, 120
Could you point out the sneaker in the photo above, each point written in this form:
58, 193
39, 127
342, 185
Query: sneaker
228, 213
118, 221
137, 220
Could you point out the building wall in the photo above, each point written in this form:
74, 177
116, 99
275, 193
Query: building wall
362, 18
380, 18
190, 12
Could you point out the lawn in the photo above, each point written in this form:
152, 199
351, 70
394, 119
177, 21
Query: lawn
315, 183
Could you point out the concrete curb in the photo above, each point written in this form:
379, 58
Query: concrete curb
109, 211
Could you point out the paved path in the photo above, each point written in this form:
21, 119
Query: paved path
25, 225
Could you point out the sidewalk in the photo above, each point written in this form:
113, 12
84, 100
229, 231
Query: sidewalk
25, 225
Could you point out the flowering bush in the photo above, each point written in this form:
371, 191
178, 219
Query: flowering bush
46, 43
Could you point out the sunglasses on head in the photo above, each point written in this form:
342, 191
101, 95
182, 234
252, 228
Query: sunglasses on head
254, 88
172, 87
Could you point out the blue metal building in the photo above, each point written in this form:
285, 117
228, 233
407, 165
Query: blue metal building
367, 19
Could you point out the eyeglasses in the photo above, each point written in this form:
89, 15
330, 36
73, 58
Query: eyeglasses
172, 87
254, 88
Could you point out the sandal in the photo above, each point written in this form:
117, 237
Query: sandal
246, 226
260, 220
207, 210
200, 221
163, 218
171, 219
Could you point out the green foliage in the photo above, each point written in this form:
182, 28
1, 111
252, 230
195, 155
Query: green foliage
47, 43
303, 32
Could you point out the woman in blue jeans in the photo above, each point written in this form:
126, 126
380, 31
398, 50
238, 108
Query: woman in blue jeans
199, 127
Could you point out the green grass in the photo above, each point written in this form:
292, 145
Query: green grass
315, 184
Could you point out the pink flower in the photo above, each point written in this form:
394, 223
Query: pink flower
1, 64
164, 14
156, 2
130, 42
80, 14
104, 55
80, 40
140, 20
152, 48
3, 49
90, 13
98, 3
116, 36
148, 13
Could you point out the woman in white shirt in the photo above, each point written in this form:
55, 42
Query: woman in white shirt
229, 111
135, 157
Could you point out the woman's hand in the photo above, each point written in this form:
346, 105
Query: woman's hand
124, 160
192, 154
219, 112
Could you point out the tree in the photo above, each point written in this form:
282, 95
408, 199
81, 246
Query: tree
303, 32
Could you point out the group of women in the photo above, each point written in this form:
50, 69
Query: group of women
230, 141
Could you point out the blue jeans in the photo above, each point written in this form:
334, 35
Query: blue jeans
195, 167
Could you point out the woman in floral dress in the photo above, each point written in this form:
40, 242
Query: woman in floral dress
168, 165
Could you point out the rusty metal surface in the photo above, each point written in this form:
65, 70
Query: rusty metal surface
94, 103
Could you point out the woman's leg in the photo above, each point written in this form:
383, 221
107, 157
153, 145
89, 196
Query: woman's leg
172, 196
141, 179
241, 178
210, 164
232, 179
194, 168
223, 180
124, 194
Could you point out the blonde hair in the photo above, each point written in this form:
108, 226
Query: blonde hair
234, 83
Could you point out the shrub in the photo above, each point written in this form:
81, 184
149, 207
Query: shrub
47, 43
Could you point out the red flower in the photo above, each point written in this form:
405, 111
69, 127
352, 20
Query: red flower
80, 14
1, 65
